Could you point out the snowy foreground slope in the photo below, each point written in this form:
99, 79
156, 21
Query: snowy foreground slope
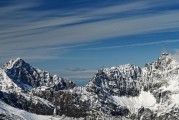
125, 92
8, 112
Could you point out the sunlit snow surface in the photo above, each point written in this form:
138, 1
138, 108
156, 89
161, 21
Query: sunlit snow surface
21, 114
164, 73
145, 99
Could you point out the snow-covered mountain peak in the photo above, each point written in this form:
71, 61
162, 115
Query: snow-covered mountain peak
121, 80
165, 63
27, 77
160, 72
14, 63
151, 91
121, 69
166, 58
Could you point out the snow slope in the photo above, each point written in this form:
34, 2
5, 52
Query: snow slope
15, 114
145, 99
11, 111
116, 91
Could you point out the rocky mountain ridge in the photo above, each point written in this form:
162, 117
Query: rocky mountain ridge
27, 77
154, 88
19, 82
124, 92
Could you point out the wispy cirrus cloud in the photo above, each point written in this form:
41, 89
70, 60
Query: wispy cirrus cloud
75, 69
134, 45
87, 75
92, 31
22, 27
31, 54
80, 73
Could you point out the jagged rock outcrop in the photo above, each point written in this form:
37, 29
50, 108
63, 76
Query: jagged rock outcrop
154, 87
27, 77
122, 81
124, 92
19, 81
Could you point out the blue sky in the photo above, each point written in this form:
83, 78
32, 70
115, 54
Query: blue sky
74, 38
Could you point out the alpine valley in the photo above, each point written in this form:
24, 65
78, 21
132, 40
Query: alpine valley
125, 92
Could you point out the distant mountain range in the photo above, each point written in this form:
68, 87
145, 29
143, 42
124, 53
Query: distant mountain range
126, 92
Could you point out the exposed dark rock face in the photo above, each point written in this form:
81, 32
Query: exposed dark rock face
8, 117
21, 84
66, 103
123, 92
26, 76
123, 81
30, 104
129, 80
145, 114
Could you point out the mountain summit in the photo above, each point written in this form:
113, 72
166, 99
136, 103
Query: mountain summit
26, 77
18, 62
154, 88
125, 92
20, 83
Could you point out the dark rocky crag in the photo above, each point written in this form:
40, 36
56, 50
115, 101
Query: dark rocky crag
43, 93
25, 85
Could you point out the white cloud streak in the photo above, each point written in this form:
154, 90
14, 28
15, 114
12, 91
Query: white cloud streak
22, 29
86, 74
134, 45
95, 31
